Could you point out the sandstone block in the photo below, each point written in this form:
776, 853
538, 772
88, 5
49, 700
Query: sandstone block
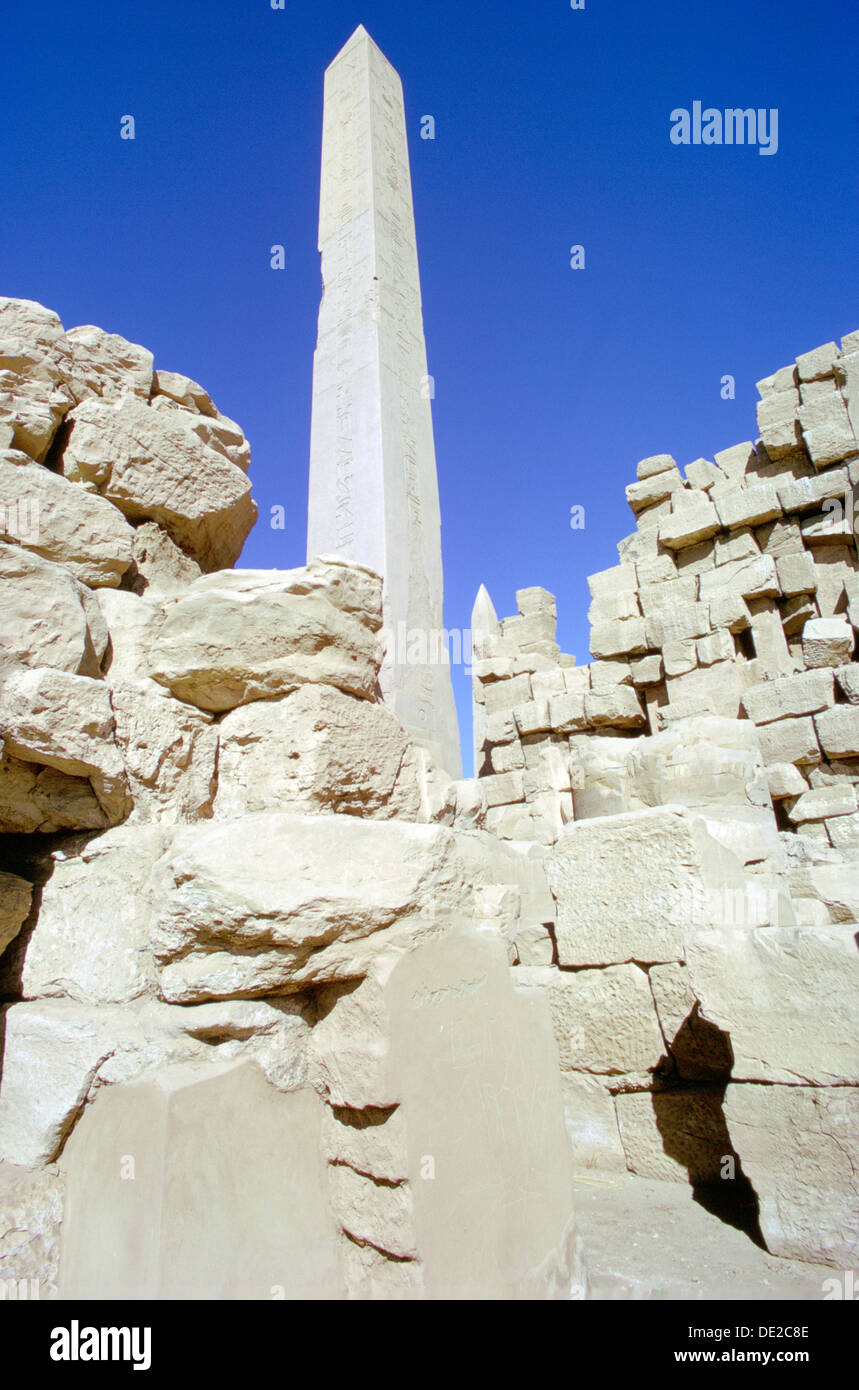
696, 521
618, 638
52, 619
107, 365
789, 697
790, 741
248, 635
838, 731
826, 429
747, 506
618, 706
673, 1136
828, 642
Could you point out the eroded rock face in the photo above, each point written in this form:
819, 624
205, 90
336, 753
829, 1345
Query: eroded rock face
318, 750
267, 904
257, 634
153, 467
51, 618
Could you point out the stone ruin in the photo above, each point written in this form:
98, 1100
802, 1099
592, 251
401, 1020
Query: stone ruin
289, 1012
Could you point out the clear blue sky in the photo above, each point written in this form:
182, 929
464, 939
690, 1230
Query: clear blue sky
552, 129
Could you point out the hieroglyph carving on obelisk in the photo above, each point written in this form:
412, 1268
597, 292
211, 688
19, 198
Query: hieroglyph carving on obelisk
373, 486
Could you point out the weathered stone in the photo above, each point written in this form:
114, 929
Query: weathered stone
673, 1136
604, 1021
316, 750
162, 568
16, 895
618, 638
154, 468
748, 506
65, 722
35, 371
654, 466
31, 1216
618, 706
784, 996
267, 905
695, 521
777, 422
838, 731
821, 803
700, 1050
790, 696
107, 365
52, 619
254, 634
826, 429
790, 741
66, 524
785, 780
827, 642
796, 1144
628, 886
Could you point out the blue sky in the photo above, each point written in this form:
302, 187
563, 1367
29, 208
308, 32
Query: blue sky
552, 129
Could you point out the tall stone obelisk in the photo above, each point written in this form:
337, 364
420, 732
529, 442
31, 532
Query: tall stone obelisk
373, 486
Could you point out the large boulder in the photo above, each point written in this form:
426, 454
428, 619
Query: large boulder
35, 372
70, 525
257, 634
51, 618
153, 467
317, 750
66, 723
272, 903
107, 365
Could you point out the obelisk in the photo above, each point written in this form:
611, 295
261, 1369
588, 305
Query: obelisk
373, 486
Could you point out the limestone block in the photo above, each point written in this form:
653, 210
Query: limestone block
805, 493
755, 578
716, 646
785, 996
532, 718
34, 798
69, 525
737, 461
679, 655
318, 750
740, 544
501, 727
843, 832
604, 1020
527, 633
508, 757
65, 722
370, 1141
668, 594
246, 635
674, 624
534, 601
504, 789
822, 803
785, 780
782, 380
773, 654
675, 1136
31, 1216
615, 608
618, 706
374, 1213
780, 538
35, 374
831, 527
828, 642
162, 568
154, 468
847, 679
702, 474
778, 425
502, 696
817, 363
790, 741
789, 697
628, 886
729, 610
107, 365
795, 613
605, 675
655, 465
169, 752
607, 583
52, 1050
545, 685
838, 731
826, 429
714, 689
184, 391
748, 506
796, 573
847, 375
230, 1197
701, 1051
696, 521
796, 1144
267, 904
656, 487
618, 638
52, 619
16, 895
647, 670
